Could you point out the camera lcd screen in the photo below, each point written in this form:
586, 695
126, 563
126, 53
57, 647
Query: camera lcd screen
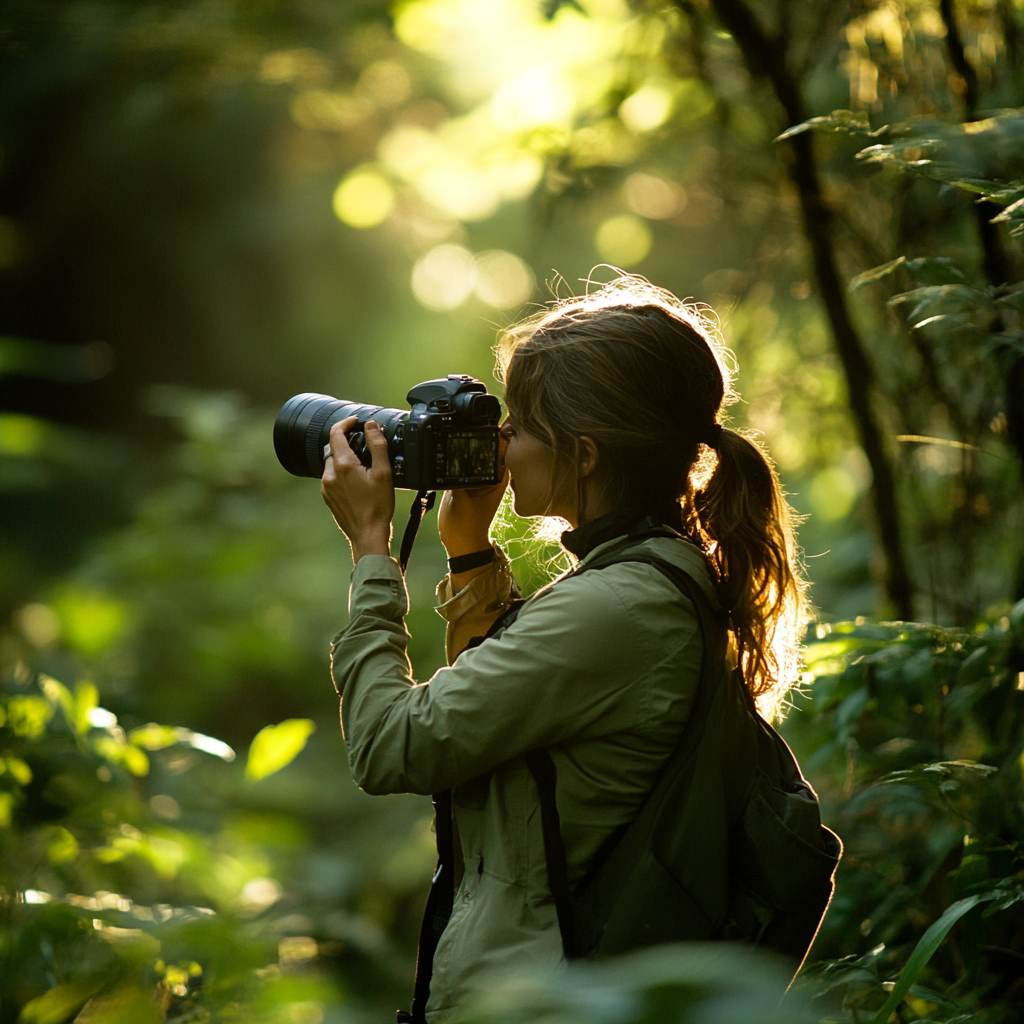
471, 456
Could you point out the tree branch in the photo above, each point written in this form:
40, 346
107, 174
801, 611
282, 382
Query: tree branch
765, 56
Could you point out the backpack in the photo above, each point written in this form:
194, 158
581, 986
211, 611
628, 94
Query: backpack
728, 845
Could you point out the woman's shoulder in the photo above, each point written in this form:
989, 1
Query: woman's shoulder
628, 591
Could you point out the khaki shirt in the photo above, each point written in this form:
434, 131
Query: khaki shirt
601, 668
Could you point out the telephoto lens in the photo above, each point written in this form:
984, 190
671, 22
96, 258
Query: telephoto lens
302, 430
448, 439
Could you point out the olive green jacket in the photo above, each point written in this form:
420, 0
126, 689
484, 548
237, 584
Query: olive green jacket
601, 668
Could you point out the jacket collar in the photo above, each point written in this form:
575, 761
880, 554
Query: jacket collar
589, 536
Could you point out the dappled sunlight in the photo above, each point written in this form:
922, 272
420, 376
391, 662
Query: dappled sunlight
537, 98
446, 276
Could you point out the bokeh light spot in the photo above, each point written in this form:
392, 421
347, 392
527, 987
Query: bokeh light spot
624, 240
40, 624
653, 197
165, 806
460, 190
648, 108
387, 82
502, 279
364, 199
20, 435
423, 27
294, 949
444, 277
284, 67
321, 110
258, 894
409, 150
536, 98
517, 177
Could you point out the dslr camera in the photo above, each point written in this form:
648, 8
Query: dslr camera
447, 439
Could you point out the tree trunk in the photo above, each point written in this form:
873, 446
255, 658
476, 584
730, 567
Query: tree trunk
765, 56
995, 261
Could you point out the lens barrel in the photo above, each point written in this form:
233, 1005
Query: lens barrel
303, 428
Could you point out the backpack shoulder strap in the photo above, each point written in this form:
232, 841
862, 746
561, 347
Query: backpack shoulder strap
542, 767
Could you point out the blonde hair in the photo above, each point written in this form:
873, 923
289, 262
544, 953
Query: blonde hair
645, 376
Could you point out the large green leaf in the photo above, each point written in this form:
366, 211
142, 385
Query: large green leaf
941, 269
276, 746
939, 774
924, 951
58, 1003
853, 122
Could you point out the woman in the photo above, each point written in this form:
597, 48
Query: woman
613, 403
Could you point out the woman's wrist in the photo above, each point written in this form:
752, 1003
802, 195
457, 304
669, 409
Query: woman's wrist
467, 545
371, 544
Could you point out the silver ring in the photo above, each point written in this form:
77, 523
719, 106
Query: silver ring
327, 452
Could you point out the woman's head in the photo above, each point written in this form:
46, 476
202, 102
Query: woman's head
629, 367
622, 389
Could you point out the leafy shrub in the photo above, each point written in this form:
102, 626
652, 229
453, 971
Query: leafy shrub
912, 735
103, 905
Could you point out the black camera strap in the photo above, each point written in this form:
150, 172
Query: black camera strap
421, 504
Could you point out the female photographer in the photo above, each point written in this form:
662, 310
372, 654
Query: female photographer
613, 402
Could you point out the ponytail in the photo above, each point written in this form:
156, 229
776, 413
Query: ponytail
745, 525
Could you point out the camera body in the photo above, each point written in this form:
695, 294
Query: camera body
448, 438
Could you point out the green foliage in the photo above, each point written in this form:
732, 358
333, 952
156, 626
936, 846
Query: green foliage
276, 746
850, 122
293, 898
105, 906
682, 984
193, 582
92, 884
923, 952
912, 736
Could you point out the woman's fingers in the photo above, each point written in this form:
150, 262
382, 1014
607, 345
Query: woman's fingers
362, 500
380, 464
341, 452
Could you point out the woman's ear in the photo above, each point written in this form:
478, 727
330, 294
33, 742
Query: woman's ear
589, 456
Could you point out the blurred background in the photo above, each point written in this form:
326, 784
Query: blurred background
207, 206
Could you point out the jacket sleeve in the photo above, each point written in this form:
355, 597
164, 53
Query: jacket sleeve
471, 611
572, 666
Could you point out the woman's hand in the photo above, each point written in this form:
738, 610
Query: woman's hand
465, 516
361, 500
